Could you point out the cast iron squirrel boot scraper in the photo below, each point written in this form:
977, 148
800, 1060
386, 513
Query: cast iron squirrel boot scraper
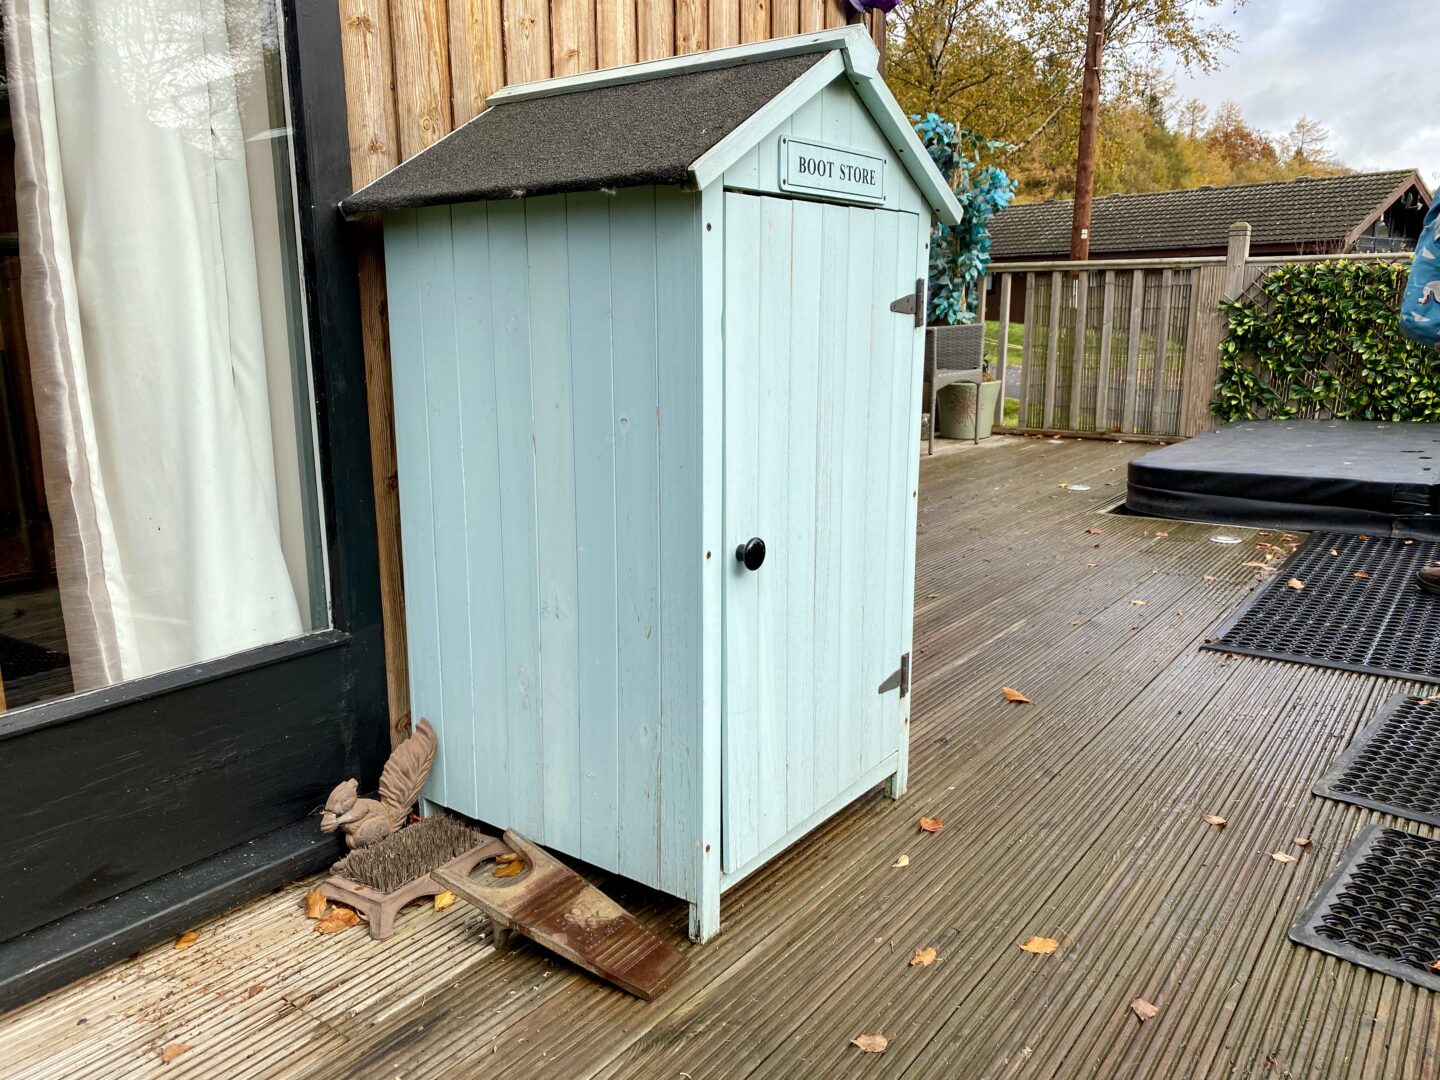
368, 821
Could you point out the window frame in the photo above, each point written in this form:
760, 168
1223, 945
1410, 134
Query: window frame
137, 810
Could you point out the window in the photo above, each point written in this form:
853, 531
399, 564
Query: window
158, 496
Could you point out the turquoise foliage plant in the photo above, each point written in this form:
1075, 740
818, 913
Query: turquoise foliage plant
959, 255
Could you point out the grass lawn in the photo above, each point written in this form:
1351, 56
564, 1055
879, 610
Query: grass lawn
992, 339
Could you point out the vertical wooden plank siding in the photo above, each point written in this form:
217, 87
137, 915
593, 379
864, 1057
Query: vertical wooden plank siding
510, 320
1203, 356
1189, 340
592, 356
1077, 360
755, 20
402, 257
484, 597
636, 438
1027, 350
812, 15
447, 486
477, 56
806, 320
655, 29
572, 36
784, 17
615, 32
1002, 345
837, 13
1052, 347
420, 39
1132, 353
724, 23
1162, 349
370, 113
559, 614
692, 26
1102, 377
526, 26
679, 799
744, 228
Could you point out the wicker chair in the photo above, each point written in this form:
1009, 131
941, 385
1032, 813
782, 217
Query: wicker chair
954, 354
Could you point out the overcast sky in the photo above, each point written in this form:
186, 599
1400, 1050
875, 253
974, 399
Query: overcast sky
1362, 68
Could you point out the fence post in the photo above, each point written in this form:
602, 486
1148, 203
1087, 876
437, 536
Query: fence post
1236, 252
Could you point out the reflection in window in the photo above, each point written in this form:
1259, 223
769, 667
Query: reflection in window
159, 502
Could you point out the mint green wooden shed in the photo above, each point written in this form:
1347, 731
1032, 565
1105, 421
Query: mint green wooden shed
657, 370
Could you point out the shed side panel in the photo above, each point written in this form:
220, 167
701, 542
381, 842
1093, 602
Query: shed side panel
548, 400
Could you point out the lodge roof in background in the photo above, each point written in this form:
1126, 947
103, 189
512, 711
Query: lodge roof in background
1325, 211
634, 133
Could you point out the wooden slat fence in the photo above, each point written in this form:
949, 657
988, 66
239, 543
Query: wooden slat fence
1119, 347
1126, 347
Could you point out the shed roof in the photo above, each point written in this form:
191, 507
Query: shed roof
643, 124
1319, 210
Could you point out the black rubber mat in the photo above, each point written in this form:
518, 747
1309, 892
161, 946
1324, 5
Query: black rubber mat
1380, 623
1394, 764
1381, 908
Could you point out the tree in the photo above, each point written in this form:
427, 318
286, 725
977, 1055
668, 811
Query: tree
1012, 68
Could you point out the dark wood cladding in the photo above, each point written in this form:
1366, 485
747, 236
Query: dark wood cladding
101, 804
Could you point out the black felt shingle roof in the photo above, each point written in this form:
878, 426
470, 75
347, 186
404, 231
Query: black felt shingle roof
646, 132
1322, 210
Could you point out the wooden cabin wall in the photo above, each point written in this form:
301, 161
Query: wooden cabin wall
416, 69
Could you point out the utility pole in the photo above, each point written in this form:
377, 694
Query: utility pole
1089, 123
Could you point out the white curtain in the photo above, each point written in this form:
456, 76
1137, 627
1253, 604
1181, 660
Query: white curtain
142, 302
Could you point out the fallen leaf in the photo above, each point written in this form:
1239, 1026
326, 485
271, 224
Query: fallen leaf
871, 1044
1280, 856
1334, 552
1143, 1009
511, 868
507, 857
931, 824
924, 957
1040, 946
253, 991
1092, 532
1435, 966
1296, 584
1407, 543
1162, 534
900, 863
1362, 538
444, 899
1211, 577
932, 596
1361, 573
171, 1052
315, 904
1424, 701
340, 918
1016, 696
1257, 565
1139, 603
1214, 819
1302, 841
185, 940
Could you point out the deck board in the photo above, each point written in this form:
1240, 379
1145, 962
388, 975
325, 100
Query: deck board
1077, 817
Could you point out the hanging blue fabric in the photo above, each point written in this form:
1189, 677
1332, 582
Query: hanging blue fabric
1420, 306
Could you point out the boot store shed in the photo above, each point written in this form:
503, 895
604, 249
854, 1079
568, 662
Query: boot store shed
656, 335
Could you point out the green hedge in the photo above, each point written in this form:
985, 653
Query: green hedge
1323, 340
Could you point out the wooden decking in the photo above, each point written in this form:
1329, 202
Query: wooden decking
1077, 817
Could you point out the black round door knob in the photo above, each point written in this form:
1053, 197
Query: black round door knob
751, 553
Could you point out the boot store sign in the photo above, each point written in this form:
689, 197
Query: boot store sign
813, 168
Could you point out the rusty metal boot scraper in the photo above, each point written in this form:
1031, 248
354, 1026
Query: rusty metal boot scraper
557, 909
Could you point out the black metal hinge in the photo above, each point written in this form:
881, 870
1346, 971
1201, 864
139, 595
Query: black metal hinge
912, 304
900, 677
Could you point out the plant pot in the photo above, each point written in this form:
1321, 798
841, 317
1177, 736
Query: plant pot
955, 409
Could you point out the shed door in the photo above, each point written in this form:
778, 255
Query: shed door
821, 389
